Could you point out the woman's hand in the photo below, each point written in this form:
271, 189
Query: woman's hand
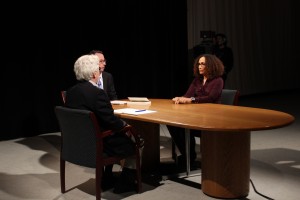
178, 100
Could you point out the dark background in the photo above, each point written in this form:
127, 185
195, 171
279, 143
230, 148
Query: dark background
145, 43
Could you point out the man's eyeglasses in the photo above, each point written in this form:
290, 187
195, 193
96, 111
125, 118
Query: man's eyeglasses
102, 61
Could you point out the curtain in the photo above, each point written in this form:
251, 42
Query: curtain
262, 35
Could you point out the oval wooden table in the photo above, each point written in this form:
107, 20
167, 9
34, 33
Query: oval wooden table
225, 139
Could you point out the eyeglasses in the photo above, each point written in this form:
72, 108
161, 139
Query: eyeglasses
102, 61
201, 64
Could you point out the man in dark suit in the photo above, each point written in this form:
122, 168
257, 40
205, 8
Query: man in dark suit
86, 95
106, 81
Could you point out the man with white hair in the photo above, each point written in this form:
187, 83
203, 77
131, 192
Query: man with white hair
87, 95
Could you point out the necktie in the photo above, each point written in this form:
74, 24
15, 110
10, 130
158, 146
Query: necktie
100, 85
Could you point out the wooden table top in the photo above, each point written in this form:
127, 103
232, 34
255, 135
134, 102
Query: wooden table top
211, 117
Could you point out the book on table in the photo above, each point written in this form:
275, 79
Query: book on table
138, 99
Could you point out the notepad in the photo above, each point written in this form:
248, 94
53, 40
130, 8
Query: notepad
138, 99
133, 111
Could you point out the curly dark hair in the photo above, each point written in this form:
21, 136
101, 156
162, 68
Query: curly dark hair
213, 66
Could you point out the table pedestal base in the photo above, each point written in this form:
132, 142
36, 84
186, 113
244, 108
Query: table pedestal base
151, 152
225, 164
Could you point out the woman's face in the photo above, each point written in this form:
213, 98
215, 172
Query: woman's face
201, 66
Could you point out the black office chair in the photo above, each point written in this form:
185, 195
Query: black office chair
63, 94
82, 144
228, 97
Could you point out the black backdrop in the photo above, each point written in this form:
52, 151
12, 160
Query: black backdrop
145, 43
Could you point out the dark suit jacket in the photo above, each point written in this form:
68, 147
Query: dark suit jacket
84, 95
109, 86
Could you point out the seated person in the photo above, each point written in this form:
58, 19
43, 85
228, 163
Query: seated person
106, 80
205, 88
86, 95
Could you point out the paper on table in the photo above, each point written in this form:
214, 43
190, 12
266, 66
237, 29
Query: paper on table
118, 102
141, 103
133, 111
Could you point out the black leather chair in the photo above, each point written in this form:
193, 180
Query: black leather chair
82, 144
230, 97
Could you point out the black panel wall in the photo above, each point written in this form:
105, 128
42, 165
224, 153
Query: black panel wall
145, 43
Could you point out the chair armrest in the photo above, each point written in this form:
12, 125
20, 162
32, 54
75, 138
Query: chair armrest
106, 133
130, 132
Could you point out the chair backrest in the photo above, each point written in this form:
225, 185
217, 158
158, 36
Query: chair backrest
79, 129
63, 95
229, 97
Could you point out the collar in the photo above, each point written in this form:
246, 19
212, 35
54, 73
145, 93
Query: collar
92, 82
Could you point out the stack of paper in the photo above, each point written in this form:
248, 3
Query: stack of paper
138, 99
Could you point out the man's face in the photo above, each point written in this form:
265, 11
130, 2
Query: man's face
220, 40
102, 61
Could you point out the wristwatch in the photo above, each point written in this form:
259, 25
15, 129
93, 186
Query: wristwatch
193, 99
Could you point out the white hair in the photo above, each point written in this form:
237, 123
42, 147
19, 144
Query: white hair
85, 66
